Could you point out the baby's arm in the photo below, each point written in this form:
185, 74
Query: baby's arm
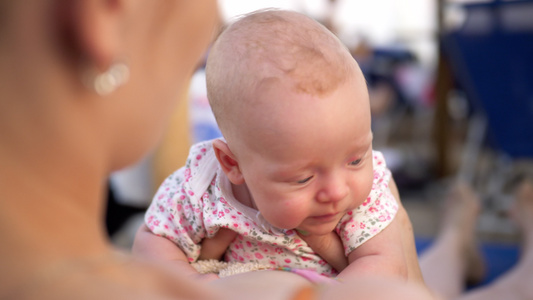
392, 247
329, 247
386, 253
149, 245
381, 255
215, 247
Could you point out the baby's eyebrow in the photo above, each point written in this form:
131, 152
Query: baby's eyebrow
369, 139
288, 171
363, 146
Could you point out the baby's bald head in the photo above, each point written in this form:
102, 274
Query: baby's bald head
267, 48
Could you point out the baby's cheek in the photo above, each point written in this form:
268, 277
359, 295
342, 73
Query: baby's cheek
356, 202
366, 187
289, 215
362, 193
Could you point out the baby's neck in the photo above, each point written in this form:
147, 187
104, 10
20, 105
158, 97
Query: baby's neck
242, 194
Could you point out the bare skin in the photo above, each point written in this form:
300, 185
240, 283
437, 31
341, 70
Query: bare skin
456, 239
445, 265
516, 283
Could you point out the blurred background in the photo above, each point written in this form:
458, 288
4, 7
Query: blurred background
451, 91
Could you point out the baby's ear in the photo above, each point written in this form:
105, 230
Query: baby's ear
228, 162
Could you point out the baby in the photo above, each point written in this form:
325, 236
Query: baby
294, 183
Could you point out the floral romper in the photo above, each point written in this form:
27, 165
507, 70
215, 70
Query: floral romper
197, 200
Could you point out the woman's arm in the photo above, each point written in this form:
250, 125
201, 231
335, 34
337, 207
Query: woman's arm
149, 245
414, 273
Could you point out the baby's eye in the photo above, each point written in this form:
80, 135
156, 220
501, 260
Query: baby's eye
355, 162
304, 180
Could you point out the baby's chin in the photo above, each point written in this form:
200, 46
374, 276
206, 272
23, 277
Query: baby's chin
316, 230
323, 231
309, 229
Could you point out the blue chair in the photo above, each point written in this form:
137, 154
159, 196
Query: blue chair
491, 56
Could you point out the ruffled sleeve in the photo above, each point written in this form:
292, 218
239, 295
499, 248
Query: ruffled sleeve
376, 212
176, 211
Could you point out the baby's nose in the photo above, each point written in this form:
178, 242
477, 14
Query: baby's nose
333, 190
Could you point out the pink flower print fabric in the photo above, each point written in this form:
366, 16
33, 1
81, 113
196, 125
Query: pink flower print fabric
376, 212
197, 200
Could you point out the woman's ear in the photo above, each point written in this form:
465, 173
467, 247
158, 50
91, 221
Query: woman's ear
93, 28
228, 162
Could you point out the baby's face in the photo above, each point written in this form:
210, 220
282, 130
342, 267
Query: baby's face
311, 161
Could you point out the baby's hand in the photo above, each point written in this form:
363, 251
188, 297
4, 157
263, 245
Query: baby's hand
328, 246
215, 247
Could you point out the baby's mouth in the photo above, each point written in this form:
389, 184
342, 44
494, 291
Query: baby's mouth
326, 217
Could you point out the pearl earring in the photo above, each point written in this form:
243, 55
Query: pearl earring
107, 82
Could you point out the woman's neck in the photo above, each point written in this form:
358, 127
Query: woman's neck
48, 213
52, 167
